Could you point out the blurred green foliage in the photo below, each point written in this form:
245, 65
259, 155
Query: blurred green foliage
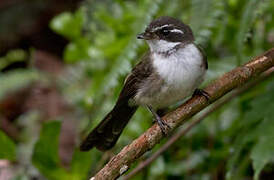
45, 156
7, 147
12, 81
16, 55
235, 142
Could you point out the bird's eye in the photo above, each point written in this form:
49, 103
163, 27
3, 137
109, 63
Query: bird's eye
165, 32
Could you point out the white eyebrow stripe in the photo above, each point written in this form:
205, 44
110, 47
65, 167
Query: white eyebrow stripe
177, 31
157, 28
167, 25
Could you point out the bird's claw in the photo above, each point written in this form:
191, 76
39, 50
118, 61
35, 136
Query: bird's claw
201, 92
163, 125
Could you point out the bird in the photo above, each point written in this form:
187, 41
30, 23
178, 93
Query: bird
170, 71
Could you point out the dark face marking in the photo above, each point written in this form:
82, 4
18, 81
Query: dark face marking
169, 33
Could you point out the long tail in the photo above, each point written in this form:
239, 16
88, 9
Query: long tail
106, 134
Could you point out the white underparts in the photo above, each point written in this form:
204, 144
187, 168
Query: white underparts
180, 66
182, 72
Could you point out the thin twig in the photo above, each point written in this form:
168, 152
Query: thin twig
120, 163
197, 120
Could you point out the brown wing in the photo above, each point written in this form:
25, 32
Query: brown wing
105, 135
138, 74
204, 55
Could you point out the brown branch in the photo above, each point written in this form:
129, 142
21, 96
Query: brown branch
197, 120
229, 81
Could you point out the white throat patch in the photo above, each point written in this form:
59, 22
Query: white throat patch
161, 46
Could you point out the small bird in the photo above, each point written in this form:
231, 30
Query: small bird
172, 70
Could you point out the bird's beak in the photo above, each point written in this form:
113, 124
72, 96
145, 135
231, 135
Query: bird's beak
145, 35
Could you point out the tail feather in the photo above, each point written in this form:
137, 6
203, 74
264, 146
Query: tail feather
106, 134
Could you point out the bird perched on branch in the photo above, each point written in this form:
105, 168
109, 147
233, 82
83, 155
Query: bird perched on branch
172, 70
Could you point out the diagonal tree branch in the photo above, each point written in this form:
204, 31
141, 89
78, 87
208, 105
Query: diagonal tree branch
197, 120
233, 79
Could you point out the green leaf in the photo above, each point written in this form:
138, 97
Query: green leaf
80, 165
45, 155
262, 152
12, 56
126, 52
213, 12
68, 24
255, 135
247, 20
7, 147
77, 50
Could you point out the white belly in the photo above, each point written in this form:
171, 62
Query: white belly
182, 72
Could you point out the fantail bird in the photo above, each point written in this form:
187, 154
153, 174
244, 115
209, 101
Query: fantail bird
172, 70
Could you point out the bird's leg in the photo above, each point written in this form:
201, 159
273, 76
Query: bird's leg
163, 125
160, 112
201, 92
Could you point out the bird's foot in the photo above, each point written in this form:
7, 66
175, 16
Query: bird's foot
160, 112
201, 92
163, 125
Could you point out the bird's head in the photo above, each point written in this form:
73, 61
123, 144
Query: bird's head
165, 33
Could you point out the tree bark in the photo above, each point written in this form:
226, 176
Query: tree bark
183, 131
121, 162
